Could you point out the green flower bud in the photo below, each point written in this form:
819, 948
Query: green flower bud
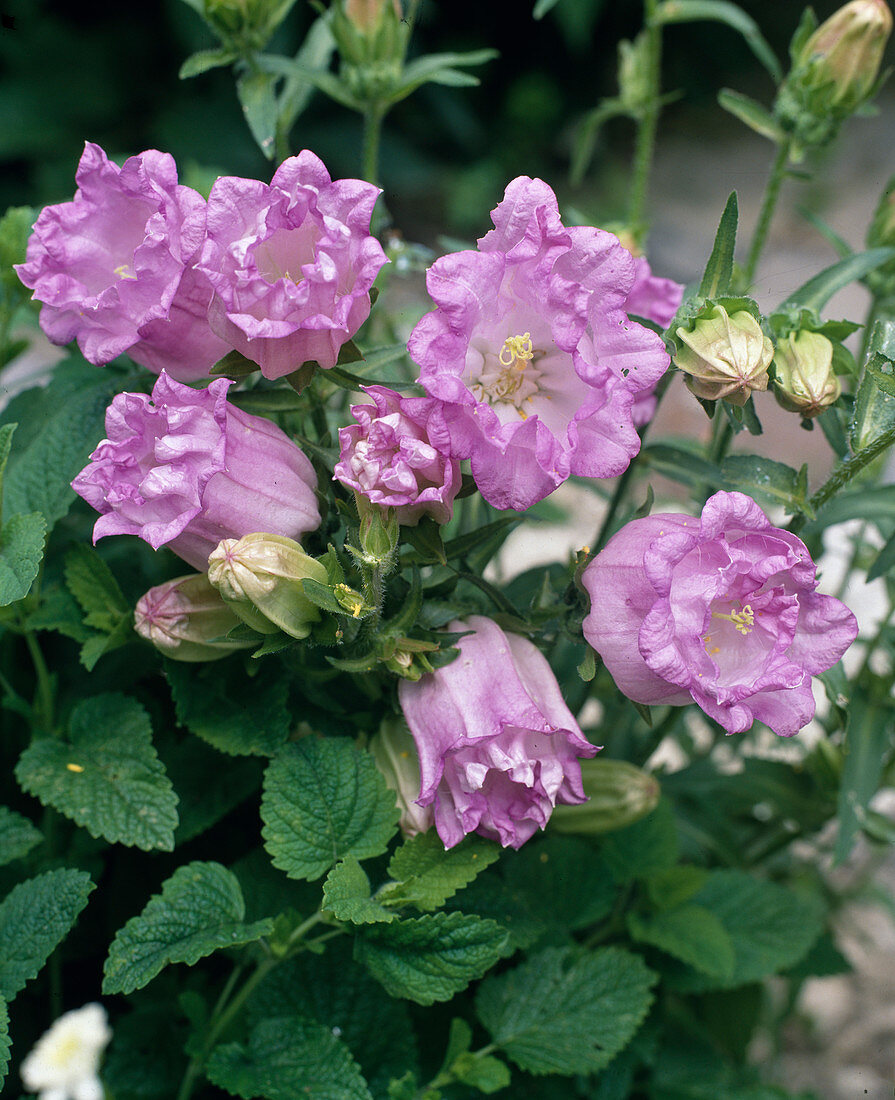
367, 15
260, 577
394, 751
618, 795
805, 380
187, 620
379, 532
845, 52
726, 357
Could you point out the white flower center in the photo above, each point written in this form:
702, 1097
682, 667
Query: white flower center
743, 621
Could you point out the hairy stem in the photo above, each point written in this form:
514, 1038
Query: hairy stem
768, 206
648, 121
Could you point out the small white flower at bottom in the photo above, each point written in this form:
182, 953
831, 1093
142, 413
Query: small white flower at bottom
64, 1063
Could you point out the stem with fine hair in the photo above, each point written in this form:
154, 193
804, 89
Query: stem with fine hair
648, 121
768, 205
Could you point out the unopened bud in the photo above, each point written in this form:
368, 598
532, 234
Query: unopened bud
379, 531
367, 15
805, 380
261, 574
187, 620
726, 357
394, 751
845, 53
618, 795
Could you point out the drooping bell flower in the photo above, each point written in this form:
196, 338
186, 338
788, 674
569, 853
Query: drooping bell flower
186, 620
291, 263
498, 746
114, 269
185, 468
398, 455
532, 352
721, 610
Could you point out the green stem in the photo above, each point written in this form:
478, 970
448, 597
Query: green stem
614, 504
44, 704
373, 117
843, 474
648, 121
768, 205
722, 434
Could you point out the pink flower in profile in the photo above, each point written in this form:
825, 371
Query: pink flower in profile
291, 263
398, 456
498, 746
532, 353
657, 300
185, 469
719, 610
114, 267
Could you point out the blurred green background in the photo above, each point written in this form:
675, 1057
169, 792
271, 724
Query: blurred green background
107, 71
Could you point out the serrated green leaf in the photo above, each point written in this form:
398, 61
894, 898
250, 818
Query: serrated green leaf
35, 917
868, 737
259, 106
565, 1010
770, 926
58, 610
324, 800
719, 269
17, 836
485, 1073
107, 776
287, 1057
721, 11
690, 933
426, 874
93, 585
235, 713
6, 434
21, 551
346, 894
98, 645
4, 1040
430, 958
200, 910
755, 116
203, 60
644, 848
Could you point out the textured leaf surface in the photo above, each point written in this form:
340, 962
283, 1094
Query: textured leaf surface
107, 776
430, 958
331, 989
35, 917
199, 910
21, 550
236, 714
567, 1011
690, 933
644, 848
324, 800
771, 928
4, 1040
426, 874
288, 1057
346, 894
17, 835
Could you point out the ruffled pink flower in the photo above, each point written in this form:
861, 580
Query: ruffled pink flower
719, 610
532, 352
498, 746
291, 263
398, 455
185, 469
114, 267
657, 300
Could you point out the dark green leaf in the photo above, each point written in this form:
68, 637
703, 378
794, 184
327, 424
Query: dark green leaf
17, 836
4, 1040
868, 738
346, 894
35, 917
324, 800
720, 11
426, 874
21, 551
430, 958
236, 713
719, 269
682, 465
768, 481
690, 933
259, 106
199, 910
815, 294
107, 776
644, 848
566, 1010
93, 585
204, 60
288, 1057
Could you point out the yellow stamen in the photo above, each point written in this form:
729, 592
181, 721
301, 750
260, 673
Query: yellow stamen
516, 351
123, 271
743, 620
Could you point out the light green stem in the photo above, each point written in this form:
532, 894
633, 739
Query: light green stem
648, 122
768, 206
44, 705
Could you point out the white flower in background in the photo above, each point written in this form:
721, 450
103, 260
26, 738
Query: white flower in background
64, 1063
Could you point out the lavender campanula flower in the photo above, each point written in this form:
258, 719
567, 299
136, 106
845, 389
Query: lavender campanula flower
291, 263
398, 455
185, 469
720, 610
657, 300
532, 352
498, 746
114, 270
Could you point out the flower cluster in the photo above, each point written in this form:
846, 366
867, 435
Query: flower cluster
719, 610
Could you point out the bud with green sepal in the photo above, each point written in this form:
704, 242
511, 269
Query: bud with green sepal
724, 351
245, 25
260, 576
371, 37
618, 794
394, 751
835, 71
187, 620
378, 534
804, 379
